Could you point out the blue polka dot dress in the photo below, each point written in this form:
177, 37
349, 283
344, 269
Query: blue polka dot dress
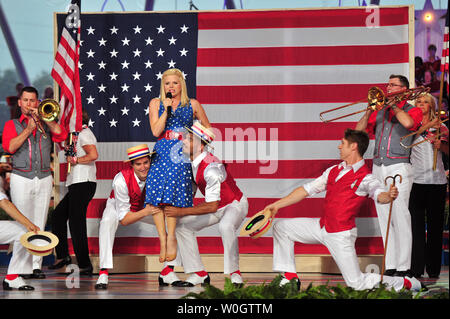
169, 180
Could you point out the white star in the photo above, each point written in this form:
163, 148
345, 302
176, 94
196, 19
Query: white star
80, 65
90, 30
113, 76
90, 99
172, 41
184, 29
137, 29
91, 123
160, 52
160, 29
148, 64
101, 65
81, 89
148, 41
159, 75
114, 53
102, 111
184, 74
125, 87
183, 52
90, 77
171, 64
136, 122
113, 99
137, 99
114, 30
101, 88
136, 76
102, 42
90, 53
125, 110
148, 87
125, 64
137, 53
147, 110
81, 43
112, 123
125, 41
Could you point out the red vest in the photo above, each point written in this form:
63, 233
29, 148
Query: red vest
228, 189
134, 192
341, 203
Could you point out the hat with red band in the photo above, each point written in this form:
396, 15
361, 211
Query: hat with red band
258, 225
138, 151
32, 242
205, 134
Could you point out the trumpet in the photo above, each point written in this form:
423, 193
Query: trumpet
48, 110
377, 100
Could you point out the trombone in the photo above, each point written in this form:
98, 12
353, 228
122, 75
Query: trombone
420, 131
376, 100
48, 110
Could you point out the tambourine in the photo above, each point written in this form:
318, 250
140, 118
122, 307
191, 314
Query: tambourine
258, 225
39, 250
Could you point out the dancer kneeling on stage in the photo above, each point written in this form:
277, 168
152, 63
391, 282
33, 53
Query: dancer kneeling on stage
125, 205
10, 232
347, 185
224, 204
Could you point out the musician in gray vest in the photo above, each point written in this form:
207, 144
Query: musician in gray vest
390, 158
31, 181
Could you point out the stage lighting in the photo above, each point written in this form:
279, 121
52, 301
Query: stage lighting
428, 17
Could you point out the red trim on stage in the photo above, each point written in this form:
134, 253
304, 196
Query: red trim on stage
338, 55
312, 93
300, 18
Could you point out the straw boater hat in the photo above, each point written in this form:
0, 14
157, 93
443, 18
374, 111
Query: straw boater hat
39, 250
258, 225
138, 151
205, 134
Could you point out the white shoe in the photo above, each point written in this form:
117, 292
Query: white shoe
171, 279
102, 282
236, 279
195, 279
284, 281
17, 283
416, 285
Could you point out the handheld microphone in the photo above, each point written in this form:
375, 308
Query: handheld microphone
169, 108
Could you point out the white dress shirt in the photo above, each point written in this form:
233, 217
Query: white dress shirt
214, 175
83, 172
121, 196
369, 186
3, 195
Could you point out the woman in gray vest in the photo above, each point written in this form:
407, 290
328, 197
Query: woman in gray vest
81, 183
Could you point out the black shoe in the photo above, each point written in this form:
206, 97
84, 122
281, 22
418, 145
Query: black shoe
17, 283
64, 262
37, 274
390, 272
86, 271
403, 273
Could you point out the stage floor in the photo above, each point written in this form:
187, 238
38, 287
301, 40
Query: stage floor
145, 285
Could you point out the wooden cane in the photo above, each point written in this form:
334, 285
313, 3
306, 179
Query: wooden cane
388, 225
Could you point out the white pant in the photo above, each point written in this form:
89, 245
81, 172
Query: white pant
32, 199
341, 246
399, 248
230, 218
21, 260
107, 233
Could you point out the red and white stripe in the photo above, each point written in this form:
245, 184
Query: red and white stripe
263, 78
65, 73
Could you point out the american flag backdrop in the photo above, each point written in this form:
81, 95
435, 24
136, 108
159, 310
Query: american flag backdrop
263, 77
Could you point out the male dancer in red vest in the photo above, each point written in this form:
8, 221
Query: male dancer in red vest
125, 205
347, 185
224, 205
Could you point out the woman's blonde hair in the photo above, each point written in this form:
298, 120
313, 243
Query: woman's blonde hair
430, 99
184, 95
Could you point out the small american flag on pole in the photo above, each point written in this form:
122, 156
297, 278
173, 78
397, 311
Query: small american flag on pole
444, 59
65, 70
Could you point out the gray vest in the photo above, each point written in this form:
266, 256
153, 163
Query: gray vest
33, 157
388, 150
